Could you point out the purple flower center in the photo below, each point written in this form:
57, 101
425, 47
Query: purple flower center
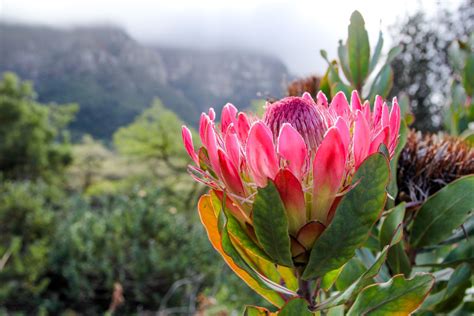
308, 118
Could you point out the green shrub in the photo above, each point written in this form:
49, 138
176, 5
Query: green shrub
33, 141
135, 241
27, 226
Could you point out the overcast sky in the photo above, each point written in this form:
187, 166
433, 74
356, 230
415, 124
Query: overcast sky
293, 31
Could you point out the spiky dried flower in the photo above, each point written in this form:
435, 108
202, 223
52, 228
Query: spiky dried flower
309, 84
429, 162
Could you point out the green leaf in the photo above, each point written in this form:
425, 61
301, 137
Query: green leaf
330, 278
230, 250
352, 270
377, 51
453, 296
468, 137
369, 259
397, 259
468, 75
463, 252
296, 306
390, 225
336, 311
383, 83
343, 60
362, 281
333, 75
402, 140
354, 218
373, 241
271, 225
393, 53
324, 55
406, 113
358, 50
465, 309
399, 296
268, 288
456, 57
465, 232
444, 211
256, 311
237, 232
324, 85
249, 258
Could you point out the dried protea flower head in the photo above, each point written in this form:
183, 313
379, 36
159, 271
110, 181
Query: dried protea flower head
309, 84
429, 162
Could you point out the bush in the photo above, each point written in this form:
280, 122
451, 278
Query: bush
33, 142
27, 223
134, 241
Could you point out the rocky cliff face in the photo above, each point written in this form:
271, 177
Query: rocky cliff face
213, 78
113, 77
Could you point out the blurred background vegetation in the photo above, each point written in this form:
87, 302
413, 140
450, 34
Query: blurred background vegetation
97, 212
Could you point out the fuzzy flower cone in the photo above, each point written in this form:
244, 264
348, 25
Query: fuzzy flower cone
293, 194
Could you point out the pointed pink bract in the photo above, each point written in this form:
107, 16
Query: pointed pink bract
381, 138
394, 124
292, 148
232, 147
212, 114
355, 101
344, 133
361, 139
228, 116
322, 99
188, 144
261, 156
385, 115
230, 174
377, 115
211, 140
339, 104
243, 127
328, 173
292, 196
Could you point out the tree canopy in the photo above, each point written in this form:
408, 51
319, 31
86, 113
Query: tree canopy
34, 141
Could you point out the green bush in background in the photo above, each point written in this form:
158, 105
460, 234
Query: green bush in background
34, 142
27, 226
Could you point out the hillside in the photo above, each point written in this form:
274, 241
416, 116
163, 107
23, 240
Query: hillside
113, 77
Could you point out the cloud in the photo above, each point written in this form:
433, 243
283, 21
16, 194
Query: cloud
293, 31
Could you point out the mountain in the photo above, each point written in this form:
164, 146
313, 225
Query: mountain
114, 77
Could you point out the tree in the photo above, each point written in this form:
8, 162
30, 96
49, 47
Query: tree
153, 137
33, 140
422, 69
153, 141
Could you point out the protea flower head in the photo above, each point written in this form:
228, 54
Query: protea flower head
308, 149
429, 162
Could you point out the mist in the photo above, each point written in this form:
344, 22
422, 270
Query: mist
293, 31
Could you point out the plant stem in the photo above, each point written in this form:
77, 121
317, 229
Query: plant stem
304, 290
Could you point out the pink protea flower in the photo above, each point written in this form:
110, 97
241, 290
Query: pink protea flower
309, 150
